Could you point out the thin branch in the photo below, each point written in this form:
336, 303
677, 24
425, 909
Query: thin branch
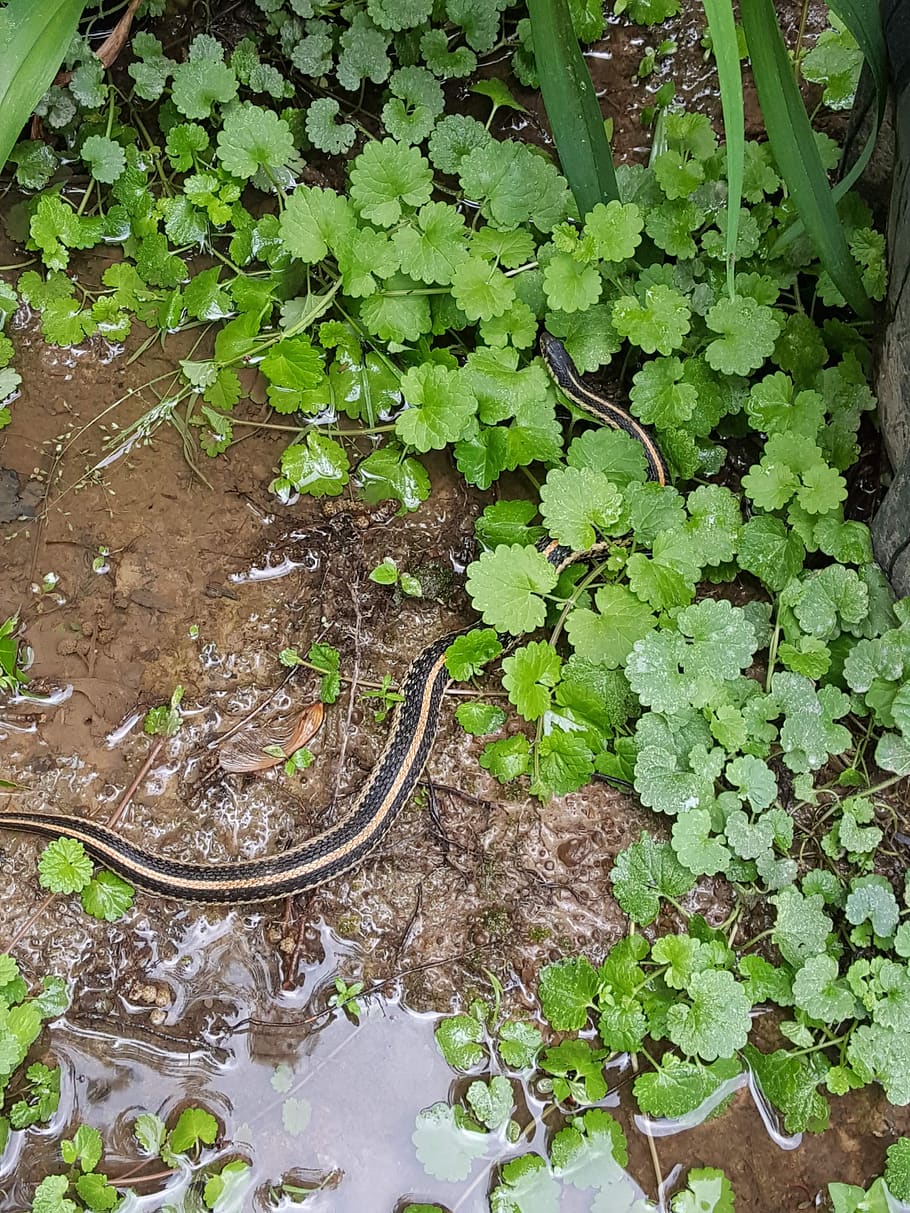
353, 693
131, 790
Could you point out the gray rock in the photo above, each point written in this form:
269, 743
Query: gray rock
891, 526
17, 503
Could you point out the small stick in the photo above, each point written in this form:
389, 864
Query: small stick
131, 790
351, 697
29, 922
652, 1147
131, 1177
288, 983
469, 796
412, 921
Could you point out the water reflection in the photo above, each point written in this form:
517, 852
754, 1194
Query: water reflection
314, 1103
303, 1095
336, 1104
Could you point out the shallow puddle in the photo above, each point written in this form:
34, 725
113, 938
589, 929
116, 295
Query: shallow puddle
327, 1108
315, 1102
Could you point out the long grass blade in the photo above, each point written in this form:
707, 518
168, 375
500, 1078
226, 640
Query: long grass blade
572, 106
34, 36
722, 28
793, 144
863, 19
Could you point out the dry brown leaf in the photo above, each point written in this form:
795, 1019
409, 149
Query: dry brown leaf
246, 751
112, 45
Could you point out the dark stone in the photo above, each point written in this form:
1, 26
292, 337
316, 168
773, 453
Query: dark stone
17, 503
891, 527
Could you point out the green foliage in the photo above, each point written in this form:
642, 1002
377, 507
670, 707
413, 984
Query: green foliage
324, 659
571, 104
37, 1087
12, 677
106, 896
386, 695
687, 989
447, 1141
467, 655
35, 43
707, 1191
897, 1169
345, 998
589, 1153
195, 1127
164, 721
317, 466
459, 1040
387, 572
64, 867
834, 62
496, 428
645, 872
796, 151
507, 585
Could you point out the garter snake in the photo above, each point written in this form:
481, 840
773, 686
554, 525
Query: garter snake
347, 843
565, 375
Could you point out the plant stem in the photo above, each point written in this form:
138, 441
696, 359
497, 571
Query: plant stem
592, 575
756, 939
825, 1044
885, 784
326, 429
772, 648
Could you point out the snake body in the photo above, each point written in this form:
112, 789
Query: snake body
346, 844
565, 375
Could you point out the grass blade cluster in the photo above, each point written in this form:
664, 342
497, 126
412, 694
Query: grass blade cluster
572, 105
722, 28
794, 147
35, 38
863, 19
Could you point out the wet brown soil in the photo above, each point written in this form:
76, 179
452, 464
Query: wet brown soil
203, 587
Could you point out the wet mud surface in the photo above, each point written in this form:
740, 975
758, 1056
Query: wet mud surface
204, 587
159, 580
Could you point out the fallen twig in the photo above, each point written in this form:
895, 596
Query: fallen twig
131, 790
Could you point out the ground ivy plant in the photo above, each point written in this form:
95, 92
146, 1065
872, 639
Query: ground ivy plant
29, 1095
65, 867
390, 310
565, 1077
588, 1153
207, 1183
